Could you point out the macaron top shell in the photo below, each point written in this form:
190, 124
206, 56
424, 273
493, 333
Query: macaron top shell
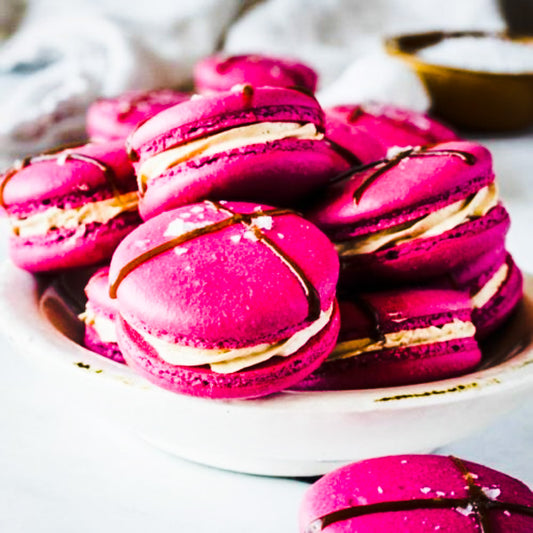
202, 116
229, 287
97, 292
400, 188
115, 118
394, 126
387, 482
220, 73
72, 172
401, 309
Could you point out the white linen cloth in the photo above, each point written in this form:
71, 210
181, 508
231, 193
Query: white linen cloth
66, 54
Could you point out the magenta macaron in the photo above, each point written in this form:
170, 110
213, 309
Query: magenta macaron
99, 317
495, 285
416, 494
69, 208
392, 125
417, 214
225, 300
220, 73
399, 337
111, 119
256, 144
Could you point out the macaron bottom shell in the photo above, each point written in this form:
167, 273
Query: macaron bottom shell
64, 248
272, 376
110, 350
393, 367
429, 257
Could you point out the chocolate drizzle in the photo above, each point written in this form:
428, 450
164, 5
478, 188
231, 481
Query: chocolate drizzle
373, 315
384, 165
346, 154
248, 95
58, 155
476, 499
246, 219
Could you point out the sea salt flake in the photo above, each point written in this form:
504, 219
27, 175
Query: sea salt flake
465, 511
180, 227
506, 513
257, 208
250, 236
142, 243
180, 251
281, 236
440, 494
380, 490
425, 490
235, 238
197, 209
223, 202
263, 222
395, 151
185, 215
491, 494
404, 461
472, 475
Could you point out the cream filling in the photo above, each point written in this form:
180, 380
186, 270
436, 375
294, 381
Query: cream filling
457, 329
104, 327
231, 139
490, 288
431, 225
101, 211
226, 361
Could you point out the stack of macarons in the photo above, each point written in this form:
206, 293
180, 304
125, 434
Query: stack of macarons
226, 290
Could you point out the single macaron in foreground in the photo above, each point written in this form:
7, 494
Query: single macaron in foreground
69, 208
220, 73
417, 214
416, 494
256, 144
225, 300
99, 317
399, 337
392, 125
110, 119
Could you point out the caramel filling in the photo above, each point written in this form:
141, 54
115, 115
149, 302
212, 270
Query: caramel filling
101, 211
457, 329
434, 224
227, 361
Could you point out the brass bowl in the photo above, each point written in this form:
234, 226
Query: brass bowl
469, 99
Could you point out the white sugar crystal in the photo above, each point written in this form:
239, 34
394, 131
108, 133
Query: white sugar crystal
380, 490
506, 513
465, 511
235, 238
180, 251
263, 222
258, 208
425, 490
440, 494
223, 202
281, 236
250, 236
394, 151
437, 528
491, 494
489, 54
404, 461
179, 227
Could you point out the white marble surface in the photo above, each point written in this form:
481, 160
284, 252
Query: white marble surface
65, 468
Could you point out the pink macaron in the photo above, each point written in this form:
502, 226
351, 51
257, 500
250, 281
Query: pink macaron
495, 285
99, 317
110, 119
399, 337
393, 126
220, 73
416, 494
417, 214
256, 144
225, 300
69, 208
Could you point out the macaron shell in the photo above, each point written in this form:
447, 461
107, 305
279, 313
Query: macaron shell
220, 73
97, 292
409, 477
280, 172
110, 350
115, 118
202, 116
272, 376
500, 307
49, 181
64, 248
428, 257
224, 289
412, 188
394, 126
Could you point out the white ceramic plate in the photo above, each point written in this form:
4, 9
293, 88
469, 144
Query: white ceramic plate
287, 434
